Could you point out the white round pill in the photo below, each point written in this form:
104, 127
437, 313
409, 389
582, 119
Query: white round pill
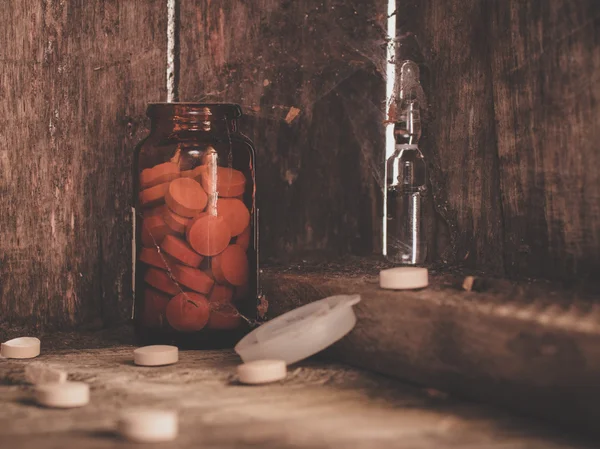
156, 355
403, 278
63, 394
261, 371
148, 426
20, 348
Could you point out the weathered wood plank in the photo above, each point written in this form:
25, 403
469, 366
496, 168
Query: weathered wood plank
451, 40
317, 175
318, 406
546, 60
74, 82
533, 348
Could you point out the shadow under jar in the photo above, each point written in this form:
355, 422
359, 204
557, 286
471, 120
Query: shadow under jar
196, 268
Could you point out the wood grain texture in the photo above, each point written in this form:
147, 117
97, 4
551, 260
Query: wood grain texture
460, 140
73, 87
530, 347
319, 405
318, 174
546, 61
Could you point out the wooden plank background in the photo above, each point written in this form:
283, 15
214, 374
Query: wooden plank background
325, 59
74, 82
511, 135
546, 68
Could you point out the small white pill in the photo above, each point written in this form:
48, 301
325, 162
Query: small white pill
42, 373
148, 426
403, 278
63, 395
156, 355
261, 371
20, 348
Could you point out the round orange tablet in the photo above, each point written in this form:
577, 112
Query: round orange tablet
153, 312
244, 239
181, 251
154, 195
231, 265
160, 280
215, 267
209, 235
230, 182
186, 197
188, 312
235, 214
176, 222
154, 230
220, 294
195, 173
158, 174
192, 278
151, 256
224, 316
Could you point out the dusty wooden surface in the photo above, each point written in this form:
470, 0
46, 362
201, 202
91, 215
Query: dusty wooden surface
319, 405
531, 347
74, 84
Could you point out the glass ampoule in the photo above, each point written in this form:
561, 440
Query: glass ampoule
406, 179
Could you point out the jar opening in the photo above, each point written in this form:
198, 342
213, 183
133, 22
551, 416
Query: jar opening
195, 111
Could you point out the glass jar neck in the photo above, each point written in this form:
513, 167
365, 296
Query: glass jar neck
207, 119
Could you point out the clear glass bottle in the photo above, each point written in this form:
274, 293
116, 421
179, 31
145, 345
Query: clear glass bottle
196, 267
406, 177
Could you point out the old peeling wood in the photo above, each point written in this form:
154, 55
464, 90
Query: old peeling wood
318, 406
530, 347
74, 83
546, 60
310, 77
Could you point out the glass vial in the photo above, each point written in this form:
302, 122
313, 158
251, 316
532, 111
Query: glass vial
406, 177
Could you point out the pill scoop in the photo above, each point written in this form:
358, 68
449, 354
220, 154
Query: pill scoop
302, 332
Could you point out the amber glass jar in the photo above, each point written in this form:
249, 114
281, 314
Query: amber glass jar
196, 267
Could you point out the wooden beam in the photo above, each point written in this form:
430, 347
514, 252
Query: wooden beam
533, 348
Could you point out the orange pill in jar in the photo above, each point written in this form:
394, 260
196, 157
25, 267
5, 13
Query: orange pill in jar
158, 174
160, 280
235, 214
195, 173
155, 304
151, 256
244, 239
180, 250
230, 182
220, 294
154, 195
188, 312
209, 235
186, 197
177, 223
193, 278
231, 266
154, 230
215, 267
224, 317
